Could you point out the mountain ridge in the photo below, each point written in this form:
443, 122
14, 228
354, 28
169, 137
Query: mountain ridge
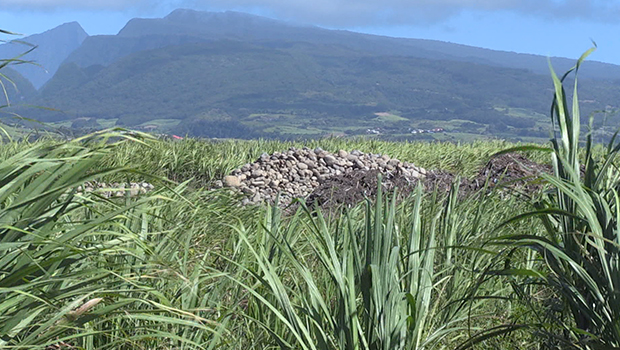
53, 47
200, 26
201, 72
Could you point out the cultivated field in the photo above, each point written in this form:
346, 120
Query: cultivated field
187, 267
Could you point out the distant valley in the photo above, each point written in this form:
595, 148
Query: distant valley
234, 75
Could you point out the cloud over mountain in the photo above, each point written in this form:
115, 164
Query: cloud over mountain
342, 13
45, 5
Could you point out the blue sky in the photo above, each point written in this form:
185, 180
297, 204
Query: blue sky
547, 27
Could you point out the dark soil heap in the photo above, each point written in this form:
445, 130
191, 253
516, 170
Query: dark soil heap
352, 188
510, 170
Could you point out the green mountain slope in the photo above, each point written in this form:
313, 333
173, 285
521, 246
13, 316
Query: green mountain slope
238, 75
282, 88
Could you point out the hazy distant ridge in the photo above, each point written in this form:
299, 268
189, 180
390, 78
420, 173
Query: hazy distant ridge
53, 47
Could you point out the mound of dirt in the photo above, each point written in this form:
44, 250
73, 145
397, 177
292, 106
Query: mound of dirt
352, 188
511, 171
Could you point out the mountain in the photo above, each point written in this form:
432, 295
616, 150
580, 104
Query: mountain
273, 89
238, 75
53, 47
187, 26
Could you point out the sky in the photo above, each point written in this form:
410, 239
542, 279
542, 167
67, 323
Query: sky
563, 28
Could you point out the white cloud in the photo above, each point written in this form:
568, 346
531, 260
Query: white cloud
71, 4
359, 12
354, 12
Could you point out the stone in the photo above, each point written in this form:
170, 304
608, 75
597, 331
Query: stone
232, 181
329, 160
302, 166
343, 154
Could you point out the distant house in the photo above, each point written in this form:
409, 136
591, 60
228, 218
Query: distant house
427, 131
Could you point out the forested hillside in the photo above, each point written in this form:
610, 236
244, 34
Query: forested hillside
238, 75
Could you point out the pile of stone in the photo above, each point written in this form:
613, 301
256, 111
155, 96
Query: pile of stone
298, 172
115, 189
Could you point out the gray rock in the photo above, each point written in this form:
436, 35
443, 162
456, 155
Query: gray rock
257, 198
232, 181
329, 160
394, 162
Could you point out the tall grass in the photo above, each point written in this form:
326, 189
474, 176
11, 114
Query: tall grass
383, 276
83, 271
580, 243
